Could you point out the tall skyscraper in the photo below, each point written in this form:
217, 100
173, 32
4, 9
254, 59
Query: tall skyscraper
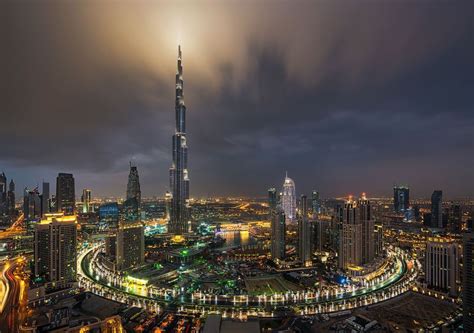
357, 243
272, 199
365, 219
31, 204
11, 198
288, 199
401, 198
315, 202
442, 265
45, 199
3, 193
278, 236
455, 218
305, 237
468, 282
130, 251
86, 199
65, 194
437, 209
179, 180
133, 200
350, 245
55, 254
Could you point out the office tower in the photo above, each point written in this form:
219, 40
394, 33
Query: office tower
11, 198
31, 204
130, 251
442, 265
365, 219
322, 229
45, 209
378, 240
437, 209
109, 216
468, 282
272, 199
278, 236
305, 237
401, 198
55, 254
133, 185
455, 218
65, 194
288, 199
315, 203
179, 180
132, 203
3, 193
86, 199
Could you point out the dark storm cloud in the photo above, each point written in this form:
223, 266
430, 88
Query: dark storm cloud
346, 97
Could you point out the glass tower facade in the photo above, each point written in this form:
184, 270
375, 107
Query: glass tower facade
179, 181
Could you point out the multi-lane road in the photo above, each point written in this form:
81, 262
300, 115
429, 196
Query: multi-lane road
12, 294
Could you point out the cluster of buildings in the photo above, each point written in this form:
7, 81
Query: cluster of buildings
356, 237
7, 200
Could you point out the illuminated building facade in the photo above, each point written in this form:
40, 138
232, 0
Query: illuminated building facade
55, 254
86, 199
315, 202
401, 198
3, 193
357, 243
130, 241
179, 180
288, 199
65, 194
442, 265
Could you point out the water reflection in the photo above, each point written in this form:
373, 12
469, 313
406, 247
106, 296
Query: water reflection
237, 238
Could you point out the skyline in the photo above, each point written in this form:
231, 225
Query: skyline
390, 111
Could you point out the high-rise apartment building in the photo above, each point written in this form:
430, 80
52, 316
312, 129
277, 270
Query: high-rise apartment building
65, 194
55, 254
357, 233
130, 251
442, 265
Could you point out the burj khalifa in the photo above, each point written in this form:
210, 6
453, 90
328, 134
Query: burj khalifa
179, 181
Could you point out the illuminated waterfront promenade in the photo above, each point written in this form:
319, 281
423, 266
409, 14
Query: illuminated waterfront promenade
397, 280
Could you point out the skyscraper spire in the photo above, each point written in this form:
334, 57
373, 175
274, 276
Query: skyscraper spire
179, 181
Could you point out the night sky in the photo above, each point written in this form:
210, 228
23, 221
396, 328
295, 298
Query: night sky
347, 96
